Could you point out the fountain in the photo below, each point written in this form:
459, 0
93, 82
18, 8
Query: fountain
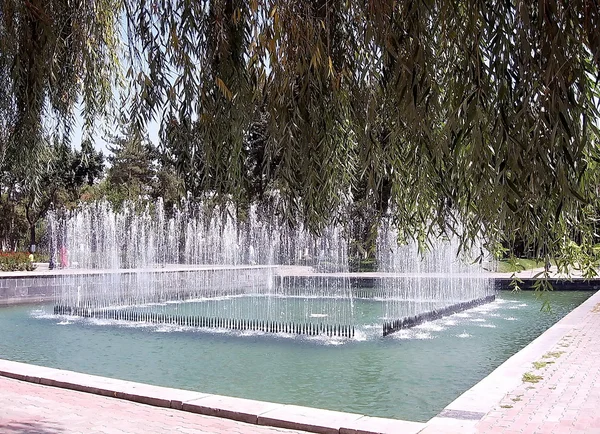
425, 286
202, 267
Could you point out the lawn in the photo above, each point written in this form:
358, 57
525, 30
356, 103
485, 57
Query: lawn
518, 264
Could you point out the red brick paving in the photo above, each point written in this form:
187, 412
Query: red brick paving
36, 409
567, 398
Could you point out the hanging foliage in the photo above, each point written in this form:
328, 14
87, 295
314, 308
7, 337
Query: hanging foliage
473, 116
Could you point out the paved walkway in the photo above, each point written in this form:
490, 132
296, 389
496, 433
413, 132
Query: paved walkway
552, 386
42, 270
566, 397
36, 409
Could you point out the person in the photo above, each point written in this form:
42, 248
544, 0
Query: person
64, 257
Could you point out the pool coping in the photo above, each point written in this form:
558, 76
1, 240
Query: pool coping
462, 414
243, 410
43, 271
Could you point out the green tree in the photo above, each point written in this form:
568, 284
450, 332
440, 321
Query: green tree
13, 224
88, 164
43, 183
55, 179
169, 185
133, 168
477, 116
53, 53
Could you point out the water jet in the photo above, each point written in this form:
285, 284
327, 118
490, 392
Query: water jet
196, 268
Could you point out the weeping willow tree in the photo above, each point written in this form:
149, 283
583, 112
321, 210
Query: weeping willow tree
474, 116
53, 54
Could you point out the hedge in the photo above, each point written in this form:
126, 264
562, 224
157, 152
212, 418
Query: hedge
15, 261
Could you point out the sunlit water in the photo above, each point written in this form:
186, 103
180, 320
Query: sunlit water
412, 374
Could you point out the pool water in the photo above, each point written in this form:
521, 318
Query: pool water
412, 374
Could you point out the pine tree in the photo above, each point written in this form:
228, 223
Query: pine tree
133, 167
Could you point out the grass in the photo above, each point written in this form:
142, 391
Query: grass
554, 354
506, 406
539, 365
519, 264
528, 377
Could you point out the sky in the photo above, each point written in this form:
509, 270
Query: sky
99, 138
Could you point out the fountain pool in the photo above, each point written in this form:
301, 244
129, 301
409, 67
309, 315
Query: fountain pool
245, 252
238, 325
412, 374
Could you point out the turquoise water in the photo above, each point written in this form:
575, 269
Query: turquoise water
409, 375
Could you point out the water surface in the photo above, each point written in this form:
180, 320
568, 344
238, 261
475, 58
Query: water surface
409, 375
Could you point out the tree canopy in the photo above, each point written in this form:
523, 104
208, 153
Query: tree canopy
56, 178
474, 116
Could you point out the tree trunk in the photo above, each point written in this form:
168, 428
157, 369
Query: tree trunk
31, 234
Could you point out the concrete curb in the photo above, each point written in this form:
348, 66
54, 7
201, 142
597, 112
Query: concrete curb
242, 410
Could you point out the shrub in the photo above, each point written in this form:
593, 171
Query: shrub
15, 261
362, 265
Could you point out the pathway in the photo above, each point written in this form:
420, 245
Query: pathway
37, 409
561, 396
550, 387
42, 270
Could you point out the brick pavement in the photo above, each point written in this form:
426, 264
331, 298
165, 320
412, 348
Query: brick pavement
566, 397
37, 409
550, 387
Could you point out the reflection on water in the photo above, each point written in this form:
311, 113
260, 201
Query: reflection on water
411, 374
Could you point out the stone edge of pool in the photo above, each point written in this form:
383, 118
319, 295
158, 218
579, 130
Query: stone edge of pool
239, 409
33, 287
463, 414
